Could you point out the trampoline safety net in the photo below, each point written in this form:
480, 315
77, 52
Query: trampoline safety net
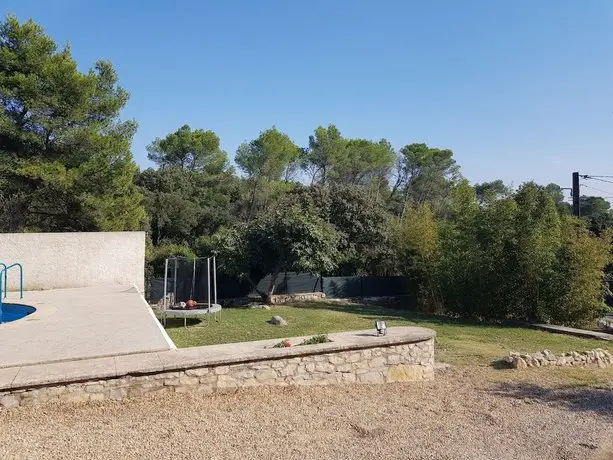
191, 279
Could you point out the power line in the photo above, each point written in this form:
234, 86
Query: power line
594, 188
596, 178
603, 180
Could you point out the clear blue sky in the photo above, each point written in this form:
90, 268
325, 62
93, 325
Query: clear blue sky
518, 90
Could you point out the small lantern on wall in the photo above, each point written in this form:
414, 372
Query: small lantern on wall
380, 327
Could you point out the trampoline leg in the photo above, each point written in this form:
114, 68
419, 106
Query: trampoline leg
184, 321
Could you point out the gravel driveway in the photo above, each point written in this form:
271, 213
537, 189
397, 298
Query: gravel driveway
460, 415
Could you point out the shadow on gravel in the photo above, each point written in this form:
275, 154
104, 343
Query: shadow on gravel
597, 401
500, 364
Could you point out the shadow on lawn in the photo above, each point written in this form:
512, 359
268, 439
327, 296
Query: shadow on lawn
369, 311
174, 323
583, 399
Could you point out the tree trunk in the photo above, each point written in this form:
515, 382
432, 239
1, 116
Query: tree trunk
252, 203
271, 286
262, 294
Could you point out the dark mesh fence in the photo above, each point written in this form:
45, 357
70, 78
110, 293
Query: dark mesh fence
292, 283
342, 287
227, 287
192, 284
339, 287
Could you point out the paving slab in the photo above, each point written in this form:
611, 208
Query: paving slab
574, 331
7, 376
80, 323
138, 364
72, 371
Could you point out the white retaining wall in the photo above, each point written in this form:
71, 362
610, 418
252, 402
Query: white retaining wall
66, 260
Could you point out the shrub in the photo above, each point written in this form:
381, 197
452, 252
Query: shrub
283, 344
316, 339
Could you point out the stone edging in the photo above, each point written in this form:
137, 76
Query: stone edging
197, 357
405, 354
599, 357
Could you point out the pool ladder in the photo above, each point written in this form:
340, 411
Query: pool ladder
4, 275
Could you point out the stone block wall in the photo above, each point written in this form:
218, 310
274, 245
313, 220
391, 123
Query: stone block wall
601, 358
376, 365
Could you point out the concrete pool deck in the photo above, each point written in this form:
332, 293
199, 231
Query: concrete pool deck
80, 323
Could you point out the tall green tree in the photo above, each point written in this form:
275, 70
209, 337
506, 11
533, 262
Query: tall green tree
424, 175
361, 221
65, 160
284, 240
265, 160
557, 194
326, 149
365, 162
190, 150
597, 213
331, 157
183, 205
518, 258
538, 238
268, 156
415, 240
576, 290
489, 191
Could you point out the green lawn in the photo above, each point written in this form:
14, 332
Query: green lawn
457, 342
462, 343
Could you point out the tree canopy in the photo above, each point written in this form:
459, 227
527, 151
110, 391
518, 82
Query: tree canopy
333, 158
65, 154
267, 157
282, 241
424, 175
191, 150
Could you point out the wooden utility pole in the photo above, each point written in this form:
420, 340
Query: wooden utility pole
576, 195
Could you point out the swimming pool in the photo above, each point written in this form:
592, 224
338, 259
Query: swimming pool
13, 311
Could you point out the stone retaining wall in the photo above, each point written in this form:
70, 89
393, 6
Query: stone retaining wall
599, 357
374, 365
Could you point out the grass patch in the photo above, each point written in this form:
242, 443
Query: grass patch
457, 342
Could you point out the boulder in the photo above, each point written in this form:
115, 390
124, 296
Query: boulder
278, 321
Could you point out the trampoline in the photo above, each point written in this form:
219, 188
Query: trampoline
190, 288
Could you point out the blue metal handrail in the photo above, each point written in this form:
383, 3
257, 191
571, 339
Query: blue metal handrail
5, 280
5, 271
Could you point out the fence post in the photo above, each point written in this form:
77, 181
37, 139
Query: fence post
361, 289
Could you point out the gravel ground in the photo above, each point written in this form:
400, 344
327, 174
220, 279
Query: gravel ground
460, 415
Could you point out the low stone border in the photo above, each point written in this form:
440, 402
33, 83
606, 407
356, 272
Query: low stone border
298, 297
599, 357
404, 354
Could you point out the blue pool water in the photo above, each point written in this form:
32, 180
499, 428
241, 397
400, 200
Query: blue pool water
12, 312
